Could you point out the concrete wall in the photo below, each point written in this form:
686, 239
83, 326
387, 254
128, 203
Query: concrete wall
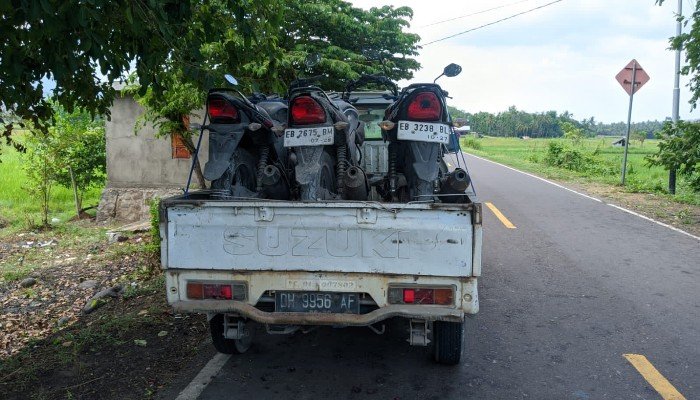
140, 166
140, 159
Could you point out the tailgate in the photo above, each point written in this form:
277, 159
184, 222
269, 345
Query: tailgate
351, 237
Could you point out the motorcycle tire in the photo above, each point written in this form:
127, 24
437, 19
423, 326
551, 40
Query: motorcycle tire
421, 190
327, 185
241, 172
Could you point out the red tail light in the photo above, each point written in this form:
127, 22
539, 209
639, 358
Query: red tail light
216, 291
221, 111
421, 295
306, 111
425, 107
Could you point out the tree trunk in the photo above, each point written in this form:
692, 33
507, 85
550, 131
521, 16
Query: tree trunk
76, 198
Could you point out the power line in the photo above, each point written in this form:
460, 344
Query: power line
474, 13
493, 23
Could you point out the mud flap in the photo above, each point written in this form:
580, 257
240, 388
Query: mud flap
222, 143
425, 156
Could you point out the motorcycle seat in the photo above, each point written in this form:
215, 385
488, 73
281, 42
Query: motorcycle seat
275, 109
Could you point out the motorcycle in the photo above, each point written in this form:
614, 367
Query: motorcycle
324, 137
418, 128
246, 157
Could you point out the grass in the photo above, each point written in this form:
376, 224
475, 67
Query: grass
529, 155
18, 209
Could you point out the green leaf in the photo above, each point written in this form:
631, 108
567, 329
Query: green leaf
129, 17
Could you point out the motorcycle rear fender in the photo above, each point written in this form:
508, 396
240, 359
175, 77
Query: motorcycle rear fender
223, 141
425, 156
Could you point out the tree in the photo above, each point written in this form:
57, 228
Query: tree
679, 149
82, 46
71, 153
78, 149
639, 135
572, 132
689, 42
39, 168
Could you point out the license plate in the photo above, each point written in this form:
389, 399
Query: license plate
319, 136
317, 302
423, 132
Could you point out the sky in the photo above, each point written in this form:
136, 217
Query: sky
562, 57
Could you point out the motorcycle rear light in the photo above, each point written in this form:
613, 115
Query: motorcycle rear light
425, 107
221, 111
306, 111
421, 295
216, 291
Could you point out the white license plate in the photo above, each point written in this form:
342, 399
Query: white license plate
423, 132
319, 136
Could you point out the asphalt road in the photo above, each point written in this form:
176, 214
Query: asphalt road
575, 286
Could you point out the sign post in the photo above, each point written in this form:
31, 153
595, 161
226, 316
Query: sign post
632, 78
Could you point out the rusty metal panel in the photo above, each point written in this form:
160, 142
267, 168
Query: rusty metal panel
350, 237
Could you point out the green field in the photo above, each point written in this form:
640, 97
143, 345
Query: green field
18, 209
529, 155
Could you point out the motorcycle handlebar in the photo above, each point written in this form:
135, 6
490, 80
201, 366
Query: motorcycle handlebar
365, 79
302, 82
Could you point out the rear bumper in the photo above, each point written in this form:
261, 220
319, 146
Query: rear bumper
427, 313
262, 283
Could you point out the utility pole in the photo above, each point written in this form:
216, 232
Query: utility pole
676, 93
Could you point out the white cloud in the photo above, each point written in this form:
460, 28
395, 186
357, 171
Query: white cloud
562, 57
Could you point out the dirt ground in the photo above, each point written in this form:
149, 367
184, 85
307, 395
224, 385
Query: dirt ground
129, 347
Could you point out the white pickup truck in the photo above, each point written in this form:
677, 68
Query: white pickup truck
290, 265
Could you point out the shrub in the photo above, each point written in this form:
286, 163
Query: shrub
561, 156
471, 143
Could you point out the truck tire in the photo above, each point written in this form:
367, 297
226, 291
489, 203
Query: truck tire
241, 172
227, 346
448, 338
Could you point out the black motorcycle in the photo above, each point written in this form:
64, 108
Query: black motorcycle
418, 128
324, 136
247, 159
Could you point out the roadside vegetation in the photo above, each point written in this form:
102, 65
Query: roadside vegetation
595, 164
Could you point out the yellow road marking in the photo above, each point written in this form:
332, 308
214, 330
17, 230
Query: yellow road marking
500, 216
654, 377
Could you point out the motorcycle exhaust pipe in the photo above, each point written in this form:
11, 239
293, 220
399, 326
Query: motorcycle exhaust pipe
455, 183
355, 182
274, 186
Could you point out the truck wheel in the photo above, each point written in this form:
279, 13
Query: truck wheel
447, 342
228, 346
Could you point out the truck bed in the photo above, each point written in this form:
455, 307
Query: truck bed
422, 239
